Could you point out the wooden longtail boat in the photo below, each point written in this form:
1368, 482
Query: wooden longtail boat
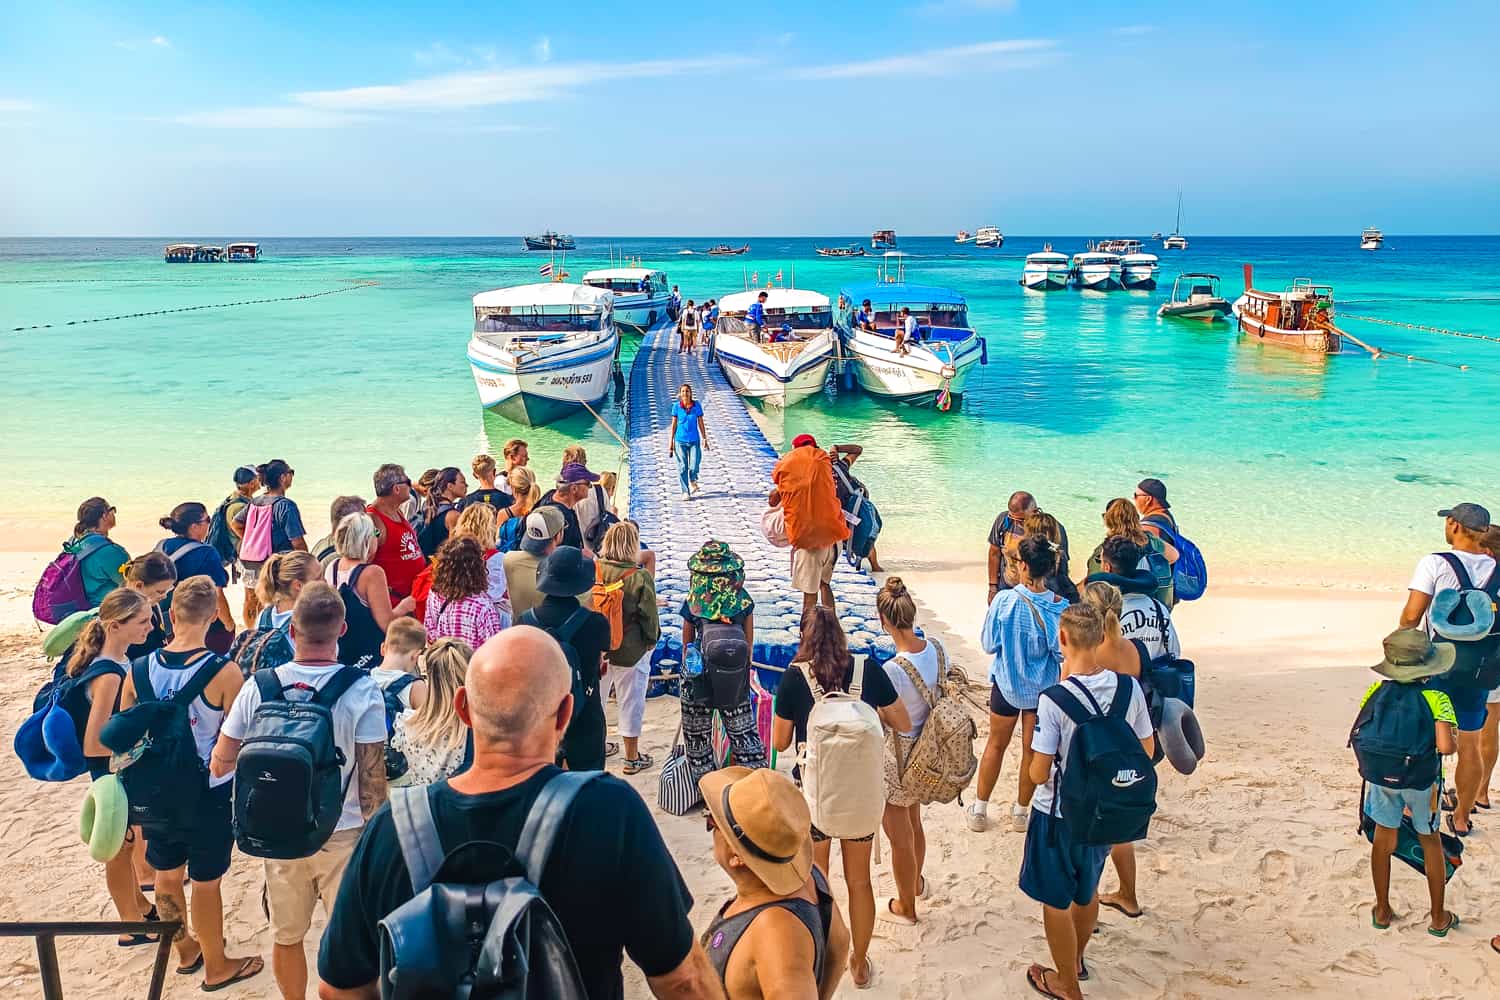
1300, 317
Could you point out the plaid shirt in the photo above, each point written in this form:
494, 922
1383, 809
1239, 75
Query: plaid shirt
470, 619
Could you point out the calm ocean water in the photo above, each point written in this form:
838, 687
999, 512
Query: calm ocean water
1282, 466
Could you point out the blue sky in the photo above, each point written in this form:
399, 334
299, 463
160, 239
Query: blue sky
706, 119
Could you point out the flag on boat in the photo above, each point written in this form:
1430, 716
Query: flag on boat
754, 277
546, 270
778, 275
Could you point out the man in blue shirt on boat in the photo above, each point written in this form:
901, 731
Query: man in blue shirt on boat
756, 315
865, 320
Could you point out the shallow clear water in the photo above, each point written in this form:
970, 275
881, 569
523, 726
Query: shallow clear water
1281, 465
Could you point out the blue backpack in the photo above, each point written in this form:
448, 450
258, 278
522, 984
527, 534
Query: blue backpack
50, 741
395, 760
1189, 573
511, 532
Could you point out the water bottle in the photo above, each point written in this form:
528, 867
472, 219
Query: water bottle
692, 661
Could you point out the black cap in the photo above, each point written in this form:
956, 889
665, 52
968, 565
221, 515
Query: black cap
1154, 488
565, 573
1470, 515
244, 474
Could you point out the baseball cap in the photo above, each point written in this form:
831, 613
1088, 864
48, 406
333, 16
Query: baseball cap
804, 439
576, 472
1154, 488
1470, 515
542, 525
245, 474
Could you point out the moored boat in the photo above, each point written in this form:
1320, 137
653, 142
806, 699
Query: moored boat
181, 253
1371, 239
242, 253
790, 360
1176, 241
549, 241
641, 295
1299, 317
1195, 296
1046, 271
852, 250
964, 236
989, 236
544, 350
1097, 270
725, 250
937, 364
1138, 268
883, 239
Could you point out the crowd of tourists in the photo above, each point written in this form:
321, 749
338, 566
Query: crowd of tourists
428, 683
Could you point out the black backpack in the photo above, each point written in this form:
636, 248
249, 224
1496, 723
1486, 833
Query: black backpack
582, 689
220, 538
395, 760
1394, 738
726, 664
1478, 660
1107, 791
264, 647
288, 790
165, 778
486, 941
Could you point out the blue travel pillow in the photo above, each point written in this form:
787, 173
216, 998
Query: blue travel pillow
1473, 604
47, 744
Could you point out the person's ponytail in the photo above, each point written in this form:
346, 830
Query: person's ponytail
86, 648
265, 585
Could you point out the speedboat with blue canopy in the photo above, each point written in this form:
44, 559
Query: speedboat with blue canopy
542, 351
641, 295
932, 367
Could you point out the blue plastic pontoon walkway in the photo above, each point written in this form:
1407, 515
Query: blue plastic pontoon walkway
735, 478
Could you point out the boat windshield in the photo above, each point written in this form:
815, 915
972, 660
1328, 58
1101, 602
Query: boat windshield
945, 314
538, 320
802, 317
626, 285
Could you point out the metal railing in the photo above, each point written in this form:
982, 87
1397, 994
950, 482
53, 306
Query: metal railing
46, 933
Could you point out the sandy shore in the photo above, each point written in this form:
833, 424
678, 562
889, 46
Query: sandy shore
1254, 881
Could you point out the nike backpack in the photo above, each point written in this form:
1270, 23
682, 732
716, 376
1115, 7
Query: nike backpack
1107, 789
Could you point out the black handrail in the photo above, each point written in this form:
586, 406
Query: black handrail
47, 932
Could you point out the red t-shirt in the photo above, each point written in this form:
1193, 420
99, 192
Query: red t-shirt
399, 554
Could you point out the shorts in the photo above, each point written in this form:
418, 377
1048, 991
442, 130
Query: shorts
250, 572
819, 837
1493, 698
1468, 702
1387, 805
205, 848
999, 705
813, 568
1056, 871
294, 887
629, 686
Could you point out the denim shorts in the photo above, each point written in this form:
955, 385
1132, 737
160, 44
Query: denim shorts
1468, 702
1387, 805
1056, 871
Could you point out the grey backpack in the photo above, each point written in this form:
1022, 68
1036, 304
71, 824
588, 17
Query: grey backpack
491, 941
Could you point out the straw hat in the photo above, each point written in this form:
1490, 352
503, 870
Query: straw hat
766, 822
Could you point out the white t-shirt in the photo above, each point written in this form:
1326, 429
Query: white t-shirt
1147, 619
1054, 730
926, 663
1434, 574
911, 327
359, 717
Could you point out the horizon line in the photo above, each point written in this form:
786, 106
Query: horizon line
691, 236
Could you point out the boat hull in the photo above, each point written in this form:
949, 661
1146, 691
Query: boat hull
1203, 312
534, 244
1099, 277
638, 314
760, 374
1045, 279
915, 378
537, 391
1310, 341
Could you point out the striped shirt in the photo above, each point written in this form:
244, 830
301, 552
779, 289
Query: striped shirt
1020, 630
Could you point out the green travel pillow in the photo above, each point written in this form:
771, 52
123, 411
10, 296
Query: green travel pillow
105, 815
65, 633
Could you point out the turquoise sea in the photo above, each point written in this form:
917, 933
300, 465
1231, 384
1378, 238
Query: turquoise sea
1283, 466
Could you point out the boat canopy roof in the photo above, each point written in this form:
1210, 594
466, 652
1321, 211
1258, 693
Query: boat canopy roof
551, 293
236, 246
902, 292
1198, 274
1096, 257
626, 273
1048, 257
182, 246
776, 298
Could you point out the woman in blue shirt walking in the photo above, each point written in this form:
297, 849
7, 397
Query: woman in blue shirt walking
689, 438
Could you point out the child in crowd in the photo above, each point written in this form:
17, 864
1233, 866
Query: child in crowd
404, 642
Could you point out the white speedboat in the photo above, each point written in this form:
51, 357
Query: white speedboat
1371, 239
936, 367
1138, 268
541, 351
1045, 271
790, 360
1097, 270
641, 295
989, 236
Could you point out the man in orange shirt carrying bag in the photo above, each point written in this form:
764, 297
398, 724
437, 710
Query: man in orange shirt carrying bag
814, 518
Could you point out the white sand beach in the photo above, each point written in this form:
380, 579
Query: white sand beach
1254, 881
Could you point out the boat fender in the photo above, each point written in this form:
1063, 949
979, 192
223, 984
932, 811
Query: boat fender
984, 351
948, 373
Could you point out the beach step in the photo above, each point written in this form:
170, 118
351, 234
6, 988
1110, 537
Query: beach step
735, 478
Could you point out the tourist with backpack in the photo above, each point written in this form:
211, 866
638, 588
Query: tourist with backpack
483, 467
782, 934
584, 636
1489, 737
192, 556
598, 885
1020, 632
223, 533
459, 606
363, 588
1143, 616
543, 533
1189, 572
323, 550
1403, 728
815, 521
268, 524
172, 705
441, 513
306, 739
688, 325
718, 624
512, 519
269, 642
399, 552
430, 737
1095, 787
1438, 601
835, 724
1122, 518
624, 594
398, 668
87, 568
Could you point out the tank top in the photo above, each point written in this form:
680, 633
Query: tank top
725, 932
359, 646
169, 678
436, 531
399, 553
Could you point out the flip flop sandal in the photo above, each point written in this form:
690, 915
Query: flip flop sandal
1482, 805
1456, 831
1112, 905
188, 970
870, 982
132, 940
884, 912
611, 748
1083, 972
1450, 800
1443, 932
1375, 922
1039, 983
239, 976
1495, 945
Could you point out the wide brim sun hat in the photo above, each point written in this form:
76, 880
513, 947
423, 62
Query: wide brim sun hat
1410, 656
766, 822
1180, 736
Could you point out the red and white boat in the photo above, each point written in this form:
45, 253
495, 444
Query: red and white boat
1299, 317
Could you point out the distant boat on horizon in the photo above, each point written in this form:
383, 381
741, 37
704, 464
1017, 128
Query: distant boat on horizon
550, 241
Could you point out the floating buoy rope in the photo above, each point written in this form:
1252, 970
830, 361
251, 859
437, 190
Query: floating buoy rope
1418, 326
353, 286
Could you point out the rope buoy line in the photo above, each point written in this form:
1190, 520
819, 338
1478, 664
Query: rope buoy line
182, 309
1419, 326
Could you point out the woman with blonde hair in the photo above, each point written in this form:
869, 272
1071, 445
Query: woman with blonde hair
101, 655
629, 663
366, 592
281, 579
512, 521
432, 737
1122, 519
478, 522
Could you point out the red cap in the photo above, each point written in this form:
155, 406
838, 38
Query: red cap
802, 439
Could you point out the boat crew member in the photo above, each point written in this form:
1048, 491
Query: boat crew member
907, 331
674, 304
756, 315
866, 318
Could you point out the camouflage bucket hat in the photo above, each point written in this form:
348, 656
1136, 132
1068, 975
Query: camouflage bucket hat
716, 588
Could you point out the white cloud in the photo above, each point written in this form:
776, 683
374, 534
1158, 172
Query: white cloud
154, 42
1015, 53
264, 118
1134, 29
542, 49
16, 106
160, 41
437, 54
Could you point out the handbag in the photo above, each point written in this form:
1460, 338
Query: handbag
676, 791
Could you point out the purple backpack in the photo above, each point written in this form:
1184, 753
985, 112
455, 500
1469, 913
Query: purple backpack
59, 593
